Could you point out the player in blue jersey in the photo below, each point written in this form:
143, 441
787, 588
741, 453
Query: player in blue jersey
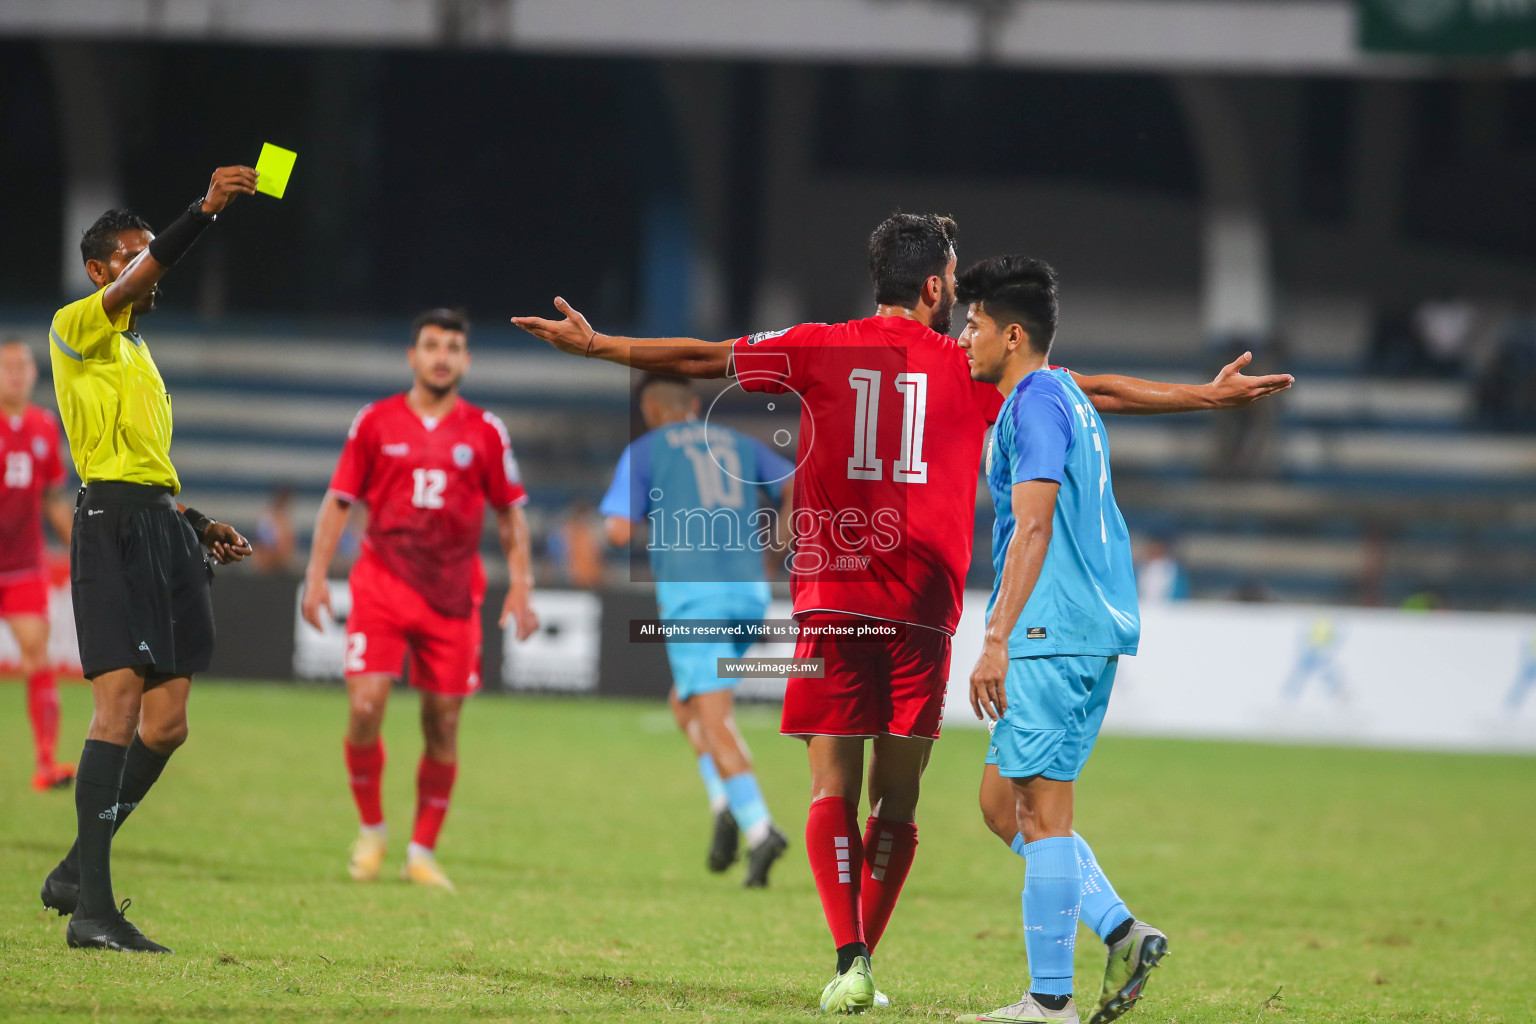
1063, 610
696, 487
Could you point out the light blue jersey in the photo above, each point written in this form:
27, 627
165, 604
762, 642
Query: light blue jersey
698, 487
1085, 600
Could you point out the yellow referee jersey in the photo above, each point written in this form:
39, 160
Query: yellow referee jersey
112, 398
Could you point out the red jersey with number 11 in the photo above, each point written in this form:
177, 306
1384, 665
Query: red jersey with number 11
426, 485
891, 432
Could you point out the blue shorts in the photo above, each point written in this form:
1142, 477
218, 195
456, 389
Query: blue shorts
695, 667
1055, 708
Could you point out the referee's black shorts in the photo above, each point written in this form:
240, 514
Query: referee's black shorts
140, 583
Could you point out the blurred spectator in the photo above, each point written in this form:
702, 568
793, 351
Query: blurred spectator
1253, 591
1394, 345
1445, 328
1430, 339
1244, 437
1506, 393
1373, 566
576, 548
1160, 578
275, 537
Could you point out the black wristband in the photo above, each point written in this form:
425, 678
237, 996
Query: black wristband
198, 521
172, 244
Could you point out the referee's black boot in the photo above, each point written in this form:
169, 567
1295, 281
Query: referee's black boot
114, 932
61, 890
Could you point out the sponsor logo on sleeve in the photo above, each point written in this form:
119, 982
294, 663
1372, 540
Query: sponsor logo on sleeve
753, 339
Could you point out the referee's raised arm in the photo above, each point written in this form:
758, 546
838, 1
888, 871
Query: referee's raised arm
144, 270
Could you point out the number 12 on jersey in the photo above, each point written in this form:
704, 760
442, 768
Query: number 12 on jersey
429, 485
864, 464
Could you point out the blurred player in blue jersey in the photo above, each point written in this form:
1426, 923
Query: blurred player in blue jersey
696, 488
1063, 610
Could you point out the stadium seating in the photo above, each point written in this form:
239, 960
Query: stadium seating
1368, 490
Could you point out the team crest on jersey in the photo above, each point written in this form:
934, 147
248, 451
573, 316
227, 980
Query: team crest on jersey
753, 339
463, 455
39, 448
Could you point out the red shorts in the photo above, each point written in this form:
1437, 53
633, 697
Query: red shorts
868, 688
390, 619
27, 595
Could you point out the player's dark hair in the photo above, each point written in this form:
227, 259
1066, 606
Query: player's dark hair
447, 319
650, 379
100, 239
905, 251
1014, 290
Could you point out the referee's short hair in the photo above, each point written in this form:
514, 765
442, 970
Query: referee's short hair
447, 319
100, 239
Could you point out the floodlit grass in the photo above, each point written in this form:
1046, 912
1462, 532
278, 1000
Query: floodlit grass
1348, 885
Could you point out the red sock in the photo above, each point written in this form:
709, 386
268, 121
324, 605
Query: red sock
43, 709
434, 785
888, 850
365, 766
835, 850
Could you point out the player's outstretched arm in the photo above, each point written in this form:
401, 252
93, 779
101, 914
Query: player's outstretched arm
685, 357
517, 544
1034, 506
329, 525
141, 275
1232, 389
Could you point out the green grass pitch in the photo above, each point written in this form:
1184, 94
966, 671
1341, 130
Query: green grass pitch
1295, 884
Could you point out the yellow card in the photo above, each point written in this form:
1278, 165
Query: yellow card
273, 167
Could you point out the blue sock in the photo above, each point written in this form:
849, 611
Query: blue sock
747, 806
1053, 892
718, 801
1103, 909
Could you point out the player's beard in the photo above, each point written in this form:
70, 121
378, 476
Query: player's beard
441, 390
943, 313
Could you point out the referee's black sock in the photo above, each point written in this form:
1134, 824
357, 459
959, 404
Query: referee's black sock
98, 787
141, 770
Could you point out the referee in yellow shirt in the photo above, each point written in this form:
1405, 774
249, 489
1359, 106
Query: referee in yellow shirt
139, 579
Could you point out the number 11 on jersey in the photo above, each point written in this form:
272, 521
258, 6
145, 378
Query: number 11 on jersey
864, 464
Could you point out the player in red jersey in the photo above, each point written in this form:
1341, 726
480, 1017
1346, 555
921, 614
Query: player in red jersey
426, 463
32, 487
891, 434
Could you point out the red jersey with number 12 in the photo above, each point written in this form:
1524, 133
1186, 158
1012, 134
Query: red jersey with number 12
891, 432
426, 485
29, 457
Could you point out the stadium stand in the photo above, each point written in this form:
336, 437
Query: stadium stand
1366, 490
